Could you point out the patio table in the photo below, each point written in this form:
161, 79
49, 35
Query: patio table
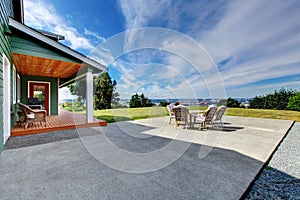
192, 115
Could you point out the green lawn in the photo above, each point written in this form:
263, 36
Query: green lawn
125, 114
264, 113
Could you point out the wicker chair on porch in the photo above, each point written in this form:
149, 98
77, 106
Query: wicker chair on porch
30, 116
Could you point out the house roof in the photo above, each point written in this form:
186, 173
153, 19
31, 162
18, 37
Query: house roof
56, 45
52, 36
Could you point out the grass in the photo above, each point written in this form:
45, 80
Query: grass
126, 114
264, 113
259, 113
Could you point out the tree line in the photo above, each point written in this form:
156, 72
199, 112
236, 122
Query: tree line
279, 100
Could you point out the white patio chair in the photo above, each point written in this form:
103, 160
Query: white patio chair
207, 117
181, 114
218, 115
171, 113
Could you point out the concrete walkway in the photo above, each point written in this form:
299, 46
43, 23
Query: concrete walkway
144, 159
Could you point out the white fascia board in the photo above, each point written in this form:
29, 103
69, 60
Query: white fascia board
55, 44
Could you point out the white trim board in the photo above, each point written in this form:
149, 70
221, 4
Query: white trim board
6, 98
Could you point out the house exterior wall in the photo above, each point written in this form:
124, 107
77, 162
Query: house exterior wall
27, 46
5, 11
53, 90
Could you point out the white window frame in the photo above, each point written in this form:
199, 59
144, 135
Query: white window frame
6, 67
14, 85
18, 88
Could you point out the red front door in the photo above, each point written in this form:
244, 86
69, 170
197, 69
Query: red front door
41, 92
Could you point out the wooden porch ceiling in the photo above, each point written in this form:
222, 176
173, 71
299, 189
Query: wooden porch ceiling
38, 66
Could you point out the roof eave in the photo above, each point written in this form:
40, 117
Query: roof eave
25, 29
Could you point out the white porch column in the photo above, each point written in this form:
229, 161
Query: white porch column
89, 96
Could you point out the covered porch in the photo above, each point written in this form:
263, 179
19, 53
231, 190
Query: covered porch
42, 65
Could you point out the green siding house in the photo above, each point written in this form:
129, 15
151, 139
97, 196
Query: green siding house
34, 62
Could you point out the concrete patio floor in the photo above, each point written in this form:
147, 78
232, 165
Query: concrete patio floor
143, 159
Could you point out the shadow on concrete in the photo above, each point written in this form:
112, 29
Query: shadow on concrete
114, 131
226, 128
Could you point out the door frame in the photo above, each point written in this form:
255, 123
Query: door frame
49, 93
6, 98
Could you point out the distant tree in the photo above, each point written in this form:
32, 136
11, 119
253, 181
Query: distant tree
115, 97
282, 98
163, 103
137, 101
232, 103
257, 102
277, 100
143, 100
104, 91
79, 88
294, 103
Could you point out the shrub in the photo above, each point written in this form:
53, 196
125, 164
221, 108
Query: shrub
294, 103
277, 100
138, 101
163, 104
232, 103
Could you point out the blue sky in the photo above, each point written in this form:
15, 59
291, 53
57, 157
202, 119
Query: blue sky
249, 48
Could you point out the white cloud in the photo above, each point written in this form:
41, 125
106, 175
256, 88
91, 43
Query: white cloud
42, 15
138, 13
259, 39
94, 34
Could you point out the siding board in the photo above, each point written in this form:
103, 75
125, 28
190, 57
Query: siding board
24, 46
5, 11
